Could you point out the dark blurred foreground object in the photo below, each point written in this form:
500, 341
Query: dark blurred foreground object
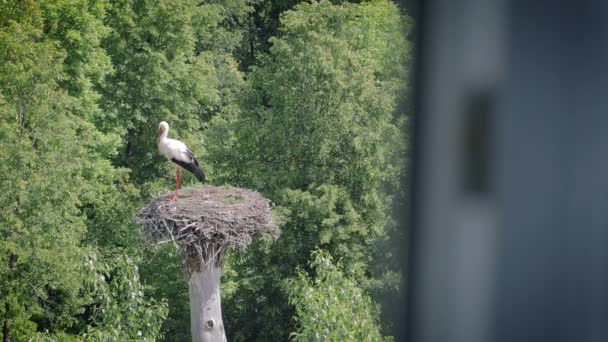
510, 182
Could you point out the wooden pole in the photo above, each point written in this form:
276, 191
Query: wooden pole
205, 305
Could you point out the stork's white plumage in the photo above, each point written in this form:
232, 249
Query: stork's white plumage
177, 152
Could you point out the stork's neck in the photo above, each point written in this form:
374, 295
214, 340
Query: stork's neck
162, 137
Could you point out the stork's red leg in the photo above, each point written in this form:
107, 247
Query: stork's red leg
178, 182
179, 178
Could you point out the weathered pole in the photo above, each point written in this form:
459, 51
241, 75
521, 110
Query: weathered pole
206, 321
203, 223
205, 306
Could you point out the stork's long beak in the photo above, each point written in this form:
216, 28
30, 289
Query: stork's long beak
160, 131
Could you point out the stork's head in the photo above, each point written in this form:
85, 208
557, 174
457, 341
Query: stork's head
163, 129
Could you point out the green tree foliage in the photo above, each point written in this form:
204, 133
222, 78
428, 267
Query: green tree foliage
77, 26
162, 272
57, 180
262, 24
321, 108
330, 306
123, 313
41, 225
120, 311
320, 135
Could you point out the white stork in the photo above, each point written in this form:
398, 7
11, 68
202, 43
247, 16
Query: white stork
177, 152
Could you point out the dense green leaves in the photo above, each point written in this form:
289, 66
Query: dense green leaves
319, 133
330, 306
321, 108
40, 224
162, 271
122, 312
58, 185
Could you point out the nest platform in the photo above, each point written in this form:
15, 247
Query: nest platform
206, 221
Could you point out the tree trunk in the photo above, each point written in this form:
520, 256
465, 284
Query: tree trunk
205, 306
6, 328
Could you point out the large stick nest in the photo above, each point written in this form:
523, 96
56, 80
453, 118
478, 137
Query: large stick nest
205, 221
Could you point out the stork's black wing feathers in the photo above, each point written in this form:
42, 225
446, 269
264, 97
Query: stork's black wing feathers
191, 166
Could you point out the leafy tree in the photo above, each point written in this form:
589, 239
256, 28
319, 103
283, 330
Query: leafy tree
123, 313
163, 274
40, 223
263, 23
330, 306
319, 134
58, 184
120, 313
321, 108
77, 26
